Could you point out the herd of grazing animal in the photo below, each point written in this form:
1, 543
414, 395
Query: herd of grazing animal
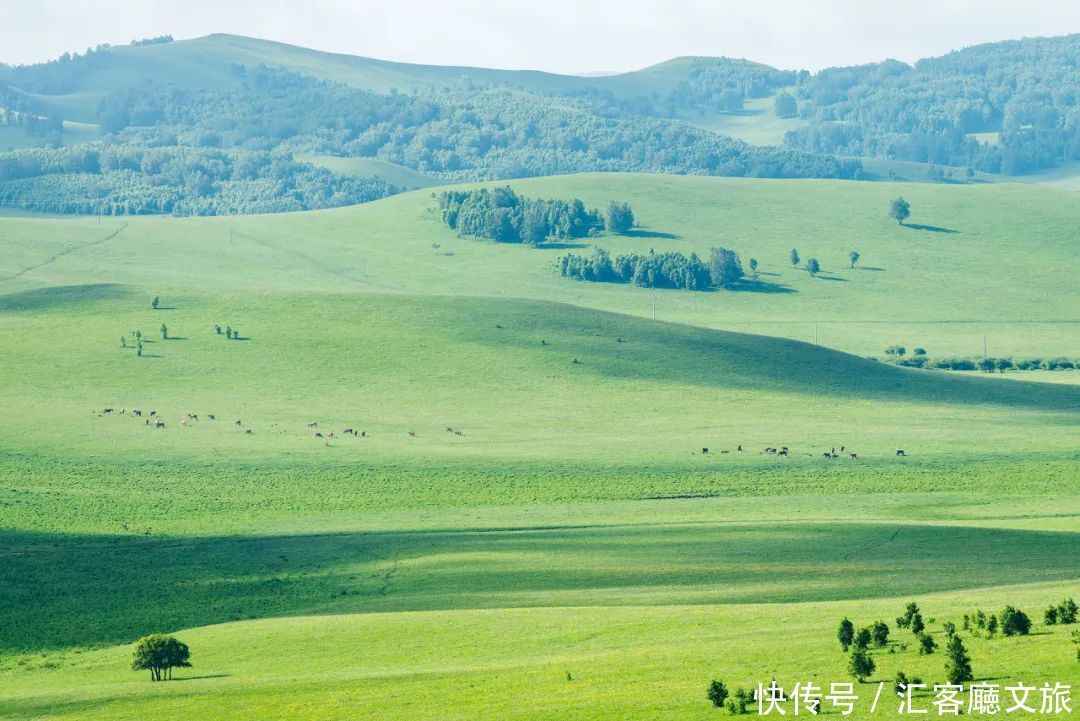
156, 421
785, 452
153, 419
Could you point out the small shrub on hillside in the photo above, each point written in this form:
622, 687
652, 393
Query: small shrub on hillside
927, 644
860, 665
1014, 622
846, 634
717, 693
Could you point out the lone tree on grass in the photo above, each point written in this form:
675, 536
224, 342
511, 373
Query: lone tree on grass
861, 665
899, 210
880, 632
123, 342
160, 654
138, 348
217, 329
863, 638
957, 662
1067, 611
717, 693
991, 626
795, 257
164, 332
228, 331
753, 266
619, 218
725, 270
911, 609
1014, 622
155, 302
846, 634
853, 256
927, 644
813, 267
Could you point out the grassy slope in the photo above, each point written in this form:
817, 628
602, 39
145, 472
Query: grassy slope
398, 175
1003, 273
630, 663
545, 501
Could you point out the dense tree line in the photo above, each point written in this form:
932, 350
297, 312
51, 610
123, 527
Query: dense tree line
504, 216
123, 179
1027, 91
460, 134
655, 270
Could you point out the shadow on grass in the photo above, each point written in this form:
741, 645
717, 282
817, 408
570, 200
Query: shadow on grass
62, 296
871, 267
761, 286
931, 228
63, 590
561, 246
838, 279
176, 337
645, 233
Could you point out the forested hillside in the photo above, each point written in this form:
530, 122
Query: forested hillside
212, 125
942, 109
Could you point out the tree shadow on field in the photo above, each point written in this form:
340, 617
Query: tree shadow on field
63, 590
561, 246
871, 267
760, 286
43, 299
834, 278
931, 228
645, 233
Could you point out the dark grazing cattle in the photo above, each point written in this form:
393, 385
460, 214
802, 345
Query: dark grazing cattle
318, 435
704, 450
901, 452
249, 432
854, 456
159, 424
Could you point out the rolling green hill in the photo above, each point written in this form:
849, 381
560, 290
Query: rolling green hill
529, 526
974, 262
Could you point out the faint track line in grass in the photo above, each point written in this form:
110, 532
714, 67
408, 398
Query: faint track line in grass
66, 251
323, 267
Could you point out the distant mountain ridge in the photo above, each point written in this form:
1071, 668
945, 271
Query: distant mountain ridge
1010, 108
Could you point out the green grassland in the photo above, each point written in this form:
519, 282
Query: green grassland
392, 173
937, 282
574, 526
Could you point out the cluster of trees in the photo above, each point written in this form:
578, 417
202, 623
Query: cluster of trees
1025, 91
861, 664
160, 654
134, 179
1010, 621
504, 216
656, 270
919, 359
1063, 613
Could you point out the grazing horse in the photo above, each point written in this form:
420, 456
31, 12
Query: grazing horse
704, 451
412, 433
136, 413
211, 416
183, 423
249, 432
739, 448
318, 435
193, 416
783, 452
901, 452
826, 454
313, 424
854, 456
458, 433
237, 421
159, 424
363, 434
108, 410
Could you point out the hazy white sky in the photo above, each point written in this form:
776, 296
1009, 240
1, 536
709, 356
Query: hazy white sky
556, 35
